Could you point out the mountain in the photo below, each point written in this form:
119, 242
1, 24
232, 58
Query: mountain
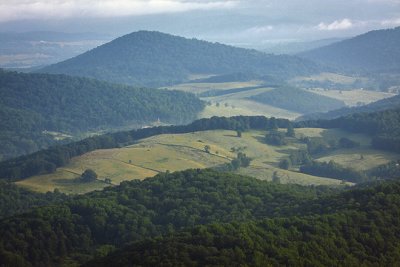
154, 59
375, 51
384, 104
35, 106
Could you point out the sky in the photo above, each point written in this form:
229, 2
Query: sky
237, 22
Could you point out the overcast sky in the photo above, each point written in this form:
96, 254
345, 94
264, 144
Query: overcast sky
229, 21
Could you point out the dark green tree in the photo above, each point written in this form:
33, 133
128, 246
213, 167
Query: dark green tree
88, 175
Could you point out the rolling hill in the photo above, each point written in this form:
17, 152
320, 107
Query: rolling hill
155, 59
298, 100
384, 104
375, 51
38, 108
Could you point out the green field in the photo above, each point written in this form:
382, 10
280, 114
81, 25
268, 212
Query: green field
173, 152
238, 103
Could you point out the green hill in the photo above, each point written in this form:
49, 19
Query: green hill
93, 224
381, 105
36, 107
298, 100
356, 228
375, 51
203, 217
154, 59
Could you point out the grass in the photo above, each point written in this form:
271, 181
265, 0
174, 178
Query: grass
333, 77
197, 88
362, 158
174, 152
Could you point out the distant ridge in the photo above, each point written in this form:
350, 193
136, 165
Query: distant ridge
374, 51
154, 59
384, 104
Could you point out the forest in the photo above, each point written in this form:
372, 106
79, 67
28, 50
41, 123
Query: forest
206, 217
33, 103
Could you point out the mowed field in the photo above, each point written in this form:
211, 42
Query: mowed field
234, 104
174, 152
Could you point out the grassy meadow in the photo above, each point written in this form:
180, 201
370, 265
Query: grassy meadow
173, 152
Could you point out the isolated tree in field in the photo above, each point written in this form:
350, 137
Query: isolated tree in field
238, 133
290, 131
89, 175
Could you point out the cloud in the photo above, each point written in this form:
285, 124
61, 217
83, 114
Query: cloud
260, 29
343, 24
52, 9
391, 22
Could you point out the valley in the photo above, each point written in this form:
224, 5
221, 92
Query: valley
157, 149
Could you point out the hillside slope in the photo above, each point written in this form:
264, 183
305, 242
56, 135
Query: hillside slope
358, 227
36, 104
155, 59
384, 104
375, 51
298, 100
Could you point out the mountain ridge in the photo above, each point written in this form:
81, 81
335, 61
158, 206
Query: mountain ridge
153, 58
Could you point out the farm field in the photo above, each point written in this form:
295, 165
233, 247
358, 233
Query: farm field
173, 152
198, 88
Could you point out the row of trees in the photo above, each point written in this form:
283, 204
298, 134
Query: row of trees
46, 161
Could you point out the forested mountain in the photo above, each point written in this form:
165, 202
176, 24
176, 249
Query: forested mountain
95, 223
154, 59
298, 100
384, 104
33, 103
361, 229
375, 51
203, 217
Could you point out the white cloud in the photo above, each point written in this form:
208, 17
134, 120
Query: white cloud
391, 22
260, 29
49, 9
343, 24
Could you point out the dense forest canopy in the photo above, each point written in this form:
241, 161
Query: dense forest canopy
33, 103
155, 59
243, 220
364, 233
137, 210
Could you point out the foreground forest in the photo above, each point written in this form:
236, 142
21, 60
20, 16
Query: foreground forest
310, 226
